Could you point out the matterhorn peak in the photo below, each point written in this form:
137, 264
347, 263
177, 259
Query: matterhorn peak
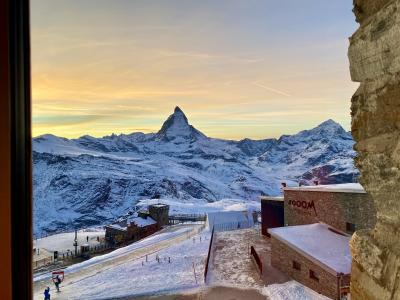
178, 110
177, 125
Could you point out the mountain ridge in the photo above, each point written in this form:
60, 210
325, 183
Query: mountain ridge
90, 180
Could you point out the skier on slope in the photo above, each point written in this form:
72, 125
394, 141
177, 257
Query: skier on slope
47, 294
57, 282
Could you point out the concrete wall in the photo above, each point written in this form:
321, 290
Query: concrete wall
282, 257
374, 55
332, 208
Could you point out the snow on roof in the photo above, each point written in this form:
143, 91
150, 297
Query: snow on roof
159, 205
331, 188
319, 243
291, 290
117, 226
271, 198
225, 217
142, 222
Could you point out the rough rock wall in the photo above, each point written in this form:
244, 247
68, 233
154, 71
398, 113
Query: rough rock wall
374, 55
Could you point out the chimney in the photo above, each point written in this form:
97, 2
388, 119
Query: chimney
316, 182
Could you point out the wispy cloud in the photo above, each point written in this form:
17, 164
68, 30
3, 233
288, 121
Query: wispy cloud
62, 120
122, 68
208, 56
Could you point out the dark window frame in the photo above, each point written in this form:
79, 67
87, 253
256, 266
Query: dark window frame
18, 44
350, 227
296, 265
313, 275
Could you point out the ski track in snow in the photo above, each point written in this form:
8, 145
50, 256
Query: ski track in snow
133, 278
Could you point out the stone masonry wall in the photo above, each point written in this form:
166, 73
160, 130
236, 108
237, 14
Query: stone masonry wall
374, 55
282, 257
332, 208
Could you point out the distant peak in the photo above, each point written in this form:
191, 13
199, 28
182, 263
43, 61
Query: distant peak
177, 124
178, 110
329, 122
49, 136
329, 126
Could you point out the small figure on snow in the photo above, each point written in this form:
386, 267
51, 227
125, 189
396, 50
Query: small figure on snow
47, 294
57, 282
87, 238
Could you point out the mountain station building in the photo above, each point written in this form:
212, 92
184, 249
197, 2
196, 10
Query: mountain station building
139, 225
310, 229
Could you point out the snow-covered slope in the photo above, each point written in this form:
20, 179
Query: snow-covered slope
90, 181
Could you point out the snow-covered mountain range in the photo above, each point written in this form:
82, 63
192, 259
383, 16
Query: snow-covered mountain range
90, 181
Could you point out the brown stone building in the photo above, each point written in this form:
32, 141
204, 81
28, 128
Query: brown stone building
116, 233
346, 207
315, 255
160, 213
138, 226
310, 230
130, 230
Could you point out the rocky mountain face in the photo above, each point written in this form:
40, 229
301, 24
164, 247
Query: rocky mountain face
89, 181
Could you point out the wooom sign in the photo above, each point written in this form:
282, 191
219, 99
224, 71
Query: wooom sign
306, 205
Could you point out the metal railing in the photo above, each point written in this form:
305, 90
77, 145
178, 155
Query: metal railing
256, 259
208, 255
232, 226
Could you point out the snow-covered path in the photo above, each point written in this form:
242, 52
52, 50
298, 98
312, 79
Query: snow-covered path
62, 242
124, 271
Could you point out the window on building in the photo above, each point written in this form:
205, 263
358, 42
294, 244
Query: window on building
314, 275
350, 227
296, 265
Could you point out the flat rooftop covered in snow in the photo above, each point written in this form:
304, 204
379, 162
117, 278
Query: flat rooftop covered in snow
159, 205
142, 222
272, 198
330, 188
319, 243
117, 227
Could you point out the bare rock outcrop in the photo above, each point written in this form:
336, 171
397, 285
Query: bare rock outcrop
374, 55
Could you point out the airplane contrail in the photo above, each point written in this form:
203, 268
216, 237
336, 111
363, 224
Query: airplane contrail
271, 89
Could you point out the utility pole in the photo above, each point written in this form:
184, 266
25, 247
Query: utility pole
76, 242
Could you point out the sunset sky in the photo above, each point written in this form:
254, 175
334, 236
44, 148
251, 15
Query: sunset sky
237, 68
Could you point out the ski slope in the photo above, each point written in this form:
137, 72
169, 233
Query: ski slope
121, 273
